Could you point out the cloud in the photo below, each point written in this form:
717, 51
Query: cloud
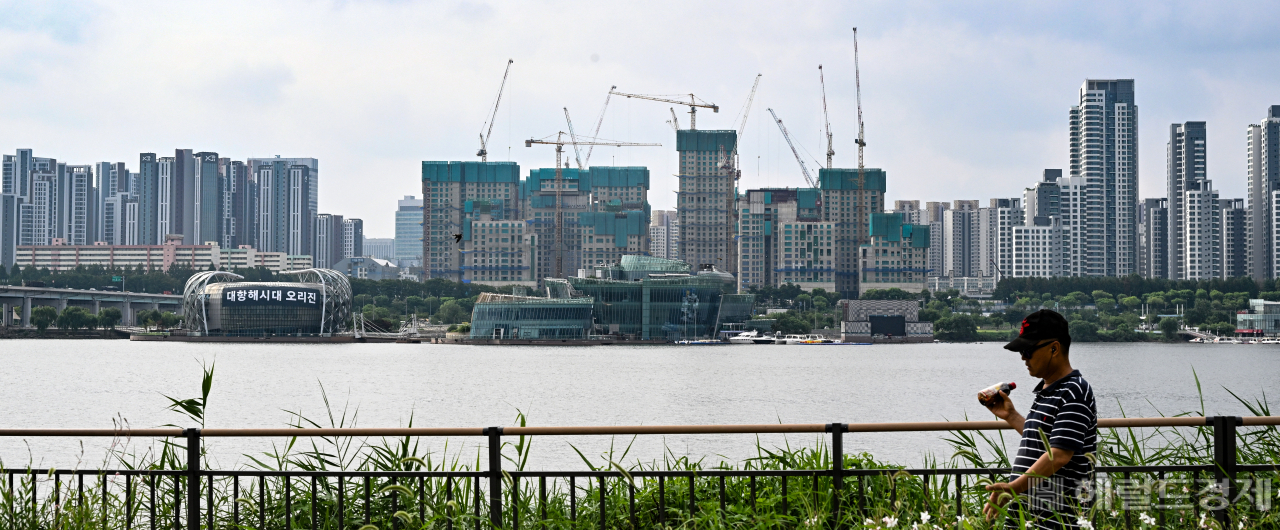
961, 101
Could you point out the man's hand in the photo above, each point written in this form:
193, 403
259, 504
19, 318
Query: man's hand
1001, 493
1005, 411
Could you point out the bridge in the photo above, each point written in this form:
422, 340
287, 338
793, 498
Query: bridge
129, 303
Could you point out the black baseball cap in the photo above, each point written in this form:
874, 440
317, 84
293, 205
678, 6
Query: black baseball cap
1041, 325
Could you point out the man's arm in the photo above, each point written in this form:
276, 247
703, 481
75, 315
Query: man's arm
1044, 467
1006, 412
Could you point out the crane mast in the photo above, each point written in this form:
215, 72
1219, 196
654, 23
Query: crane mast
787, 136
483, 153
559, 143
857, 81
825, 120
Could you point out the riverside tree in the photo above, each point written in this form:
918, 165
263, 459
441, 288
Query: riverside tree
42, 317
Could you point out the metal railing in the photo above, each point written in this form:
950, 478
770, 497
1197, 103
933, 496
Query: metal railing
193, 482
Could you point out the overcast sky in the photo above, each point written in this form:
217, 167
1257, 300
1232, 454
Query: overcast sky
962, 100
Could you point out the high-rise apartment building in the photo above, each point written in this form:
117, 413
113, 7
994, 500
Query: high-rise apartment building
705, 199
328, 243
352, 238
1153, 238
1263, 164
78, 216
910, 211
963, 234
1044, 199
412, 229
1200, 257
664, 234
9, 219
1103, 182
1037, 248
995, 245
1233, 222
148, 199
784, 239
470, 226
1188, 180
286, 198
895, 256
849, 198
932, 216
165, 196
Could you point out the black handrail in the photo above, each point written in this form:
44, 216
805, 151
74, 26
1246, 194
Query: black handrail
1224, 466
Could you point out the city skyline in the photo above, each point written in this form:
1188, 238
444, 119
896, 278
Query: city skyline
1004, 76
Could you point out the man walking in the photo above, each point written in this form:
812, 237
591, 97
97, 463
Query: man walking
1056, 479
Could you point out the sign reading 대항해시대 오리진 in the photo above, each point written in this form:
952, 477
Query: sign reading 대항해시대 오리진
294, 296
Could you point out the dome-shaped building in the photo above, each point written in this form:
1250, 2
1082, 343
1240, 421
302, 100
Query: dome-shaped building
215, 303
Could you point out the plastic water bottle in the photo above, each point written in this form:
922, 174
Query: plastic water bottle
990, 396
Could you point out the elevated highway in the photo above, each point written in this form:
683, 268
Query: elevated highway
21, 300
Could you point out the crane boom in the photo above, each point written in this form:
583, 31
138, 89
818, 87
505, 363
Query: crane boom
599, 122
787, 135
675, 122
483, 153
731, 161
694, 104
559, 143
573, 138
831, 152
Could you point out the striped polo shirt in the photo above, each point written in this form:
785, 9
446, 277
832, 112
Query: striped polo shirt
1065, 414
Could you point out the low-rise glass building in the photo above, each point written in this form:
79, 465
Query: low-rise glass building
215, 303
505, 316
649, 298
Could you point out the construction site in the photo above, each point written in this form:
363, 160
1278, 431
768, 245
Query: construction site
576, 224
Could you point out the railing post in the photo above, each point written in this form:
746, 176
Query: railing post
1224, 460
837, 468
193, 477
495, 475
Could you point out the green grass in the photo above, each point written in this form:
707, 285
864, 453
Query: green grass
892, 495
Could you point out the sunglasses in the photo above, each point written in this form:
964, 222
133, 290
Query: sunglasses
1028, 353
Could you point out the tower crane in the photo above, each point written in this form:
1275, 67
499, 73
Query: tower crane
573, 137
730, 163
825, 120
599, 122
694, 103
787, 135
559, 142
857, 81
487, 128
675, 121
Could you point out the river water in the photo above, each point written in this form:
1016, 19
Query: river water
88, 384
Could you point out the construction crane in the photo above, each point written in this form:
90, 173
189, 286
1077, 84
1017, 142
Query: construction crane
831, 152
559, 142
857, 81
730, 163
694, 104
487, 128
573, 137
787, 135
599, 122
675, 121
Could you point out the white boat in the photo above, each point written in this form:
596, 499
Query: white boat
1269, 341
802, 339
746, 337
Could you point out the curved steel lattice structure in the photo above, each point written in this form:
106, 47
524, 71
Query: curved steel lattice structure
336, 310
334, 304
196, 317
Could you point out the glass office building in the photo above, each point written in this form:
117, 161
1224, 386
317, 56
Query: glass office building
215, 303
